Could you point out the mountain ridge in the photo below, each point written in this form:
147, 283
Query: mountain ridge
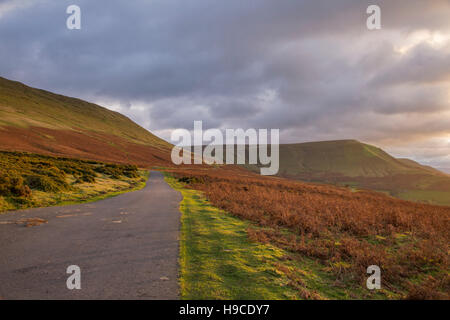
40, 121
348, 156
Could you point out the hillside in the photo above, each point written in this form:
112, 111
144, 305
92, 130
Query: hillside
359, 165
324, 236
32, 180
414, 164
39, 121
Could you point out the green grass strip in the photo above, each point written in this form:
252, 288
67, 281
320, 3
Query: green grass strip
218, 261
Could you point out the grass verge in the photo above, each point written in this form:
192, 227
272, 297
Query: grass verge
218, 260
31, 180
103, 188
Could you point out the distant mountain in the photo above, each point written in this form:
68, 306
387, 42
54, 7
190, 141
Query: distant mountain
350, 158
359, 165
39, 121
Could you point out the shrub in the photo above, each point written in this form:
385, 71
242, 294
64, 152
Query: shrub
47, 184
85, 178
20, 172
190, 180
131, 171
429, 290
116, 170
12, 184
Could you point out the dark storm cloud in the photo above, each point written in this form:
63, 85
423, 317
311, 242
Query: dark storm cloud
310, 68
423, 65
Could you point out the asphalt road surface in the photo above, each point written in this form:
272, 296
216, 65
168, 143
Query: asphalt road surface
126, 248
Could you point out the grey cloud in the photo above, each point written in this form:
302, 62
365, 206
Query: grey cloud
328, 76
423, 64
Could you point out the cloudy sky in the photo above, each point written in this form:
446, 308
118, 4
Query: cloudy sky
310, 68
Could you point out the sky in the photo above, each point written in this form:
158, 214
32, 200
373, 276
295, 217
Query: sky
309, 68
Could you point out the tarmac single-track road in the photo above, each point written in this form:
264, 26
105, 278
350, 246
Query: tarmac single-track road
126, 247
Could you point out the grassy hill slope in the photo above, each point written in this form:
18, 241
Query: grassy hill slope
43, 122
347, 157
359, 165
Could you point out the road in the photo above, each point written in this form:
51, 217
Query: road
126, 248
